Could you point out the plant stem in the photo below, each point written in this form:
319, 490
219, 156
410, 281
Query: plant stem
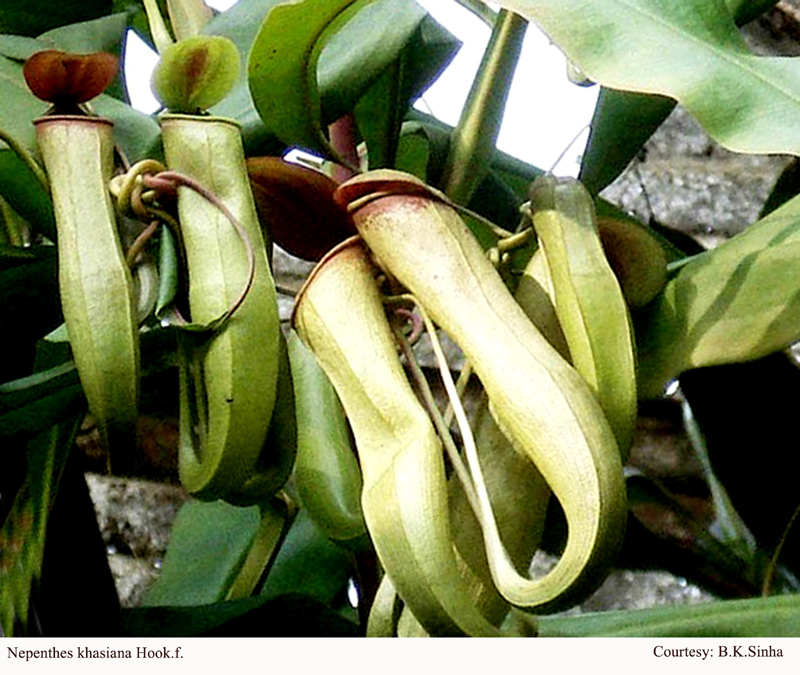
473, 141
479, 9
158, 27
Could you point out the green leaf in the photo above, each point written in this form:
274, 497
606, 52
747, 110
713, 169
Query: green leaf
759, 617
282, 70
210, 542
23, 533
310, 564
690, 51
241, 23
623, 121
380, 111
20, 106
99, 35
361, 50
19, 48
339, 87
137, 134
285, 616
208, 546
30, 405
413, 151
379, 117
328, 62
33, 17
737, 302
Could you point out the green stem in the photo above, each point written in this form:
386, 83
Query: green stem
481, 10
472, 144
158, 27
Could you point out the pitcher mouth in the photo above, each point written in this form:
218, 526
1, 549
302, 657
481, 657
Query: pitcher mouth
365, 188
354, 242
173, 116
84, 119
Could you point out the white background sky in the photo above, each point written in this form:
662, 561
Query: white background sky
545, 110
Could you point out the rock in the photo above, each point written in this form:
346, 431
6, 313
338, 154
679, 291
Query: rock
135, 519
688, 182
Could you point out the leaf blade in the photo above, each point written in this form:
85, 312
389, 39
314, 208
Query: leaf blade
690, 51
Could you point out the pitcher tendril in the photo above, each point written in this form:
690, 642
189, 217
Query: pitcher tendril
139, 244
414, 320
137, 192
438, 421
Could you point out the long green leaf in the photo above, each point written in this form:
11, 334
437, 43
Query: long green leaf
136, 133
761, 617
20, 392
98, 35
310, 564
290, 615
104, 34
737, 302
30, 405
20, 107
19, 47
622, 123
689, 50
355, 55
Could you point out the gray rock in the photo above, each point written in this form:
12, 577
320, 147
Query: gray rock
135, 519
690, 183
